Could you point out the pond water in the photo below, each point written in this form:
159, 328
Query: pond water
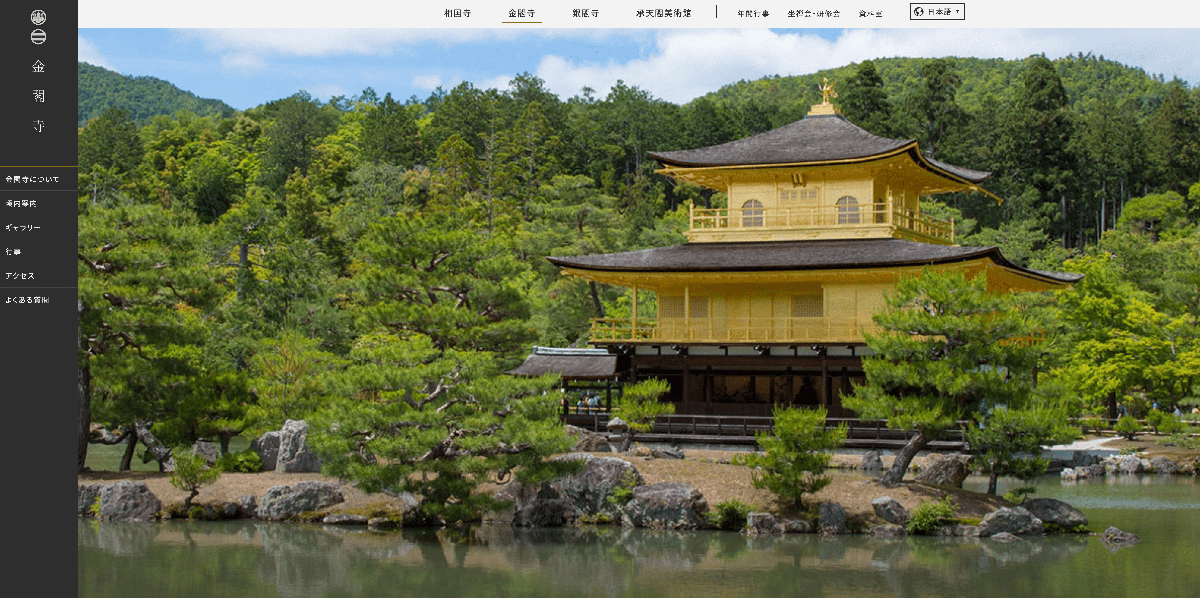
198, 559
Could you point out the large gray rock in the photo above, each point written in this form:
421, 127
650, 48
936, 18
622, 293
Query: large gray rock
1016, 521
87, 497
294, 454
587, 441
1122, 464
798, 526
669, 452
890, 511
344, 519
872, 461
563, 500
669, 505
762, 523
247, 506
832, 518
267, 447
1162, 465
288, 502
208, 450
948, 471
1114, 538
1084, 459
128, 501
1054, 511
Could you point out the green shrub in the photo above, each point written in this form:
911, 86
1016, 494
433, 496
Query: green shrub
639, 406
1182, 440
623, 493
1155, 419
191, 472
729, 515
1128, 427
1092, 423
1170, 425
597, 519
246, 461
929, 516
794, 456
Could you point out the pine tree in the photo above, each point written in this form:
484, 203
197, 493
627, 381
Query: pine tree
949, 350
436, 422
865, 102
794, 454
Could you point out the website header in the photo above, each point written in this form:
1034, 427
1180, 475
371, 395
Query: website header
628, 14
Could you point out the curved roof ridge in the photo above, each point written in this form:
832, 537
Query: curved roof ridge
812, 139
793, 255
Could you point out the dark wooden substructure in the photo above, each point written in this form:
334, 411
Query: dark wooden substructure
748, 380
741, 430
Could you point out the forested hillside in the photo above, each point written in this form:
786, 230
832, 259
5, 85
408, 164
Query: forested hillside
143, 97
305, 258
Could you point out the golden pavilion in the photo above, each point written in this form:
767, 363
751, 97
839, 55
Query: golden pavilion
768, 300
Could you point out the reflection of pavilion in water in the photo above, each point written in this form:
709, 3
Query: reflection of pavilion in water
769, 300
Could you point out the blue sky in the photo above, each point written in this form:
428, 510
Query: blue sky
247, 67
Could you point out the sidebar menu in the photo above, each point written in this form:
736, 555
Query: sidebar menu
38, 280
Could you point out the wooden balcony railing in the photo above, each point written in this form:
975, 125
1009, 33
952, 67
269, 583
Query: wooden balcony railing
828, 217
729, 330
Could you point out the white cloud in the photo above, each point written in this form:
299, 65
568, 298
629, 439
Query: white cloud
90, 53
683, 64
243, 62
426, 82
499, 82
324, 92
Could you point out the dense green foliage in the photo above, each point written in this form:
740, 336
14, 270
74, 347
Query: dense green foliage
639, 406
191, 473
729, 515
1008, 442
409, 416
1128, 427
794, 454
246, 461
927, 517
949, 350
237, 269
101, 89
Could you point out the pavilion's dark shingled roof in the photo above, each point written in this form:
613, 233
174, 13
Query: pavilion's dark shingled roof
811, 139
792, 255
571, 367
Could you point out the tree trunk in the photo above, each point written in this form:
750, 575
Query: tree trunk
243, 269
84, 391
161, 453
596, 298
130, 447
992, 484
894, 475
